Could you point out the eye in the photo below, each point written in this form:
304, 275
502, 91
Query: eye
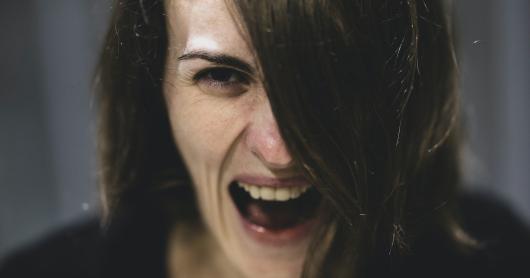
222, 80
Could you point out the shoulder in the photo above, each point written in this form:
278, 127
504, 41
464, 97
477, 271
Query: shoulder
131, 245
502, 236
69, 252
502, 240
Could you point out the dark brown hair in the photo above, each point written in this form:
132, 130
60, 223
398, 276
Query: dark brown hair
363, 93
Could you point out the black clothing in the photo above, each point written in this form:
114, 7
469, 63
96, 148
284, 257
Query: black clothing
135, 247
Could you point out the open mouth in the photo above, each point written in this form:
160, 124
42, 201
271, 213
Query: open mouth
275, 209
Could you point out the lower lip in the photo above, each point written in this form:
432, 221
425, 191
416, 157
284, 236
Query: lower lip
287, 236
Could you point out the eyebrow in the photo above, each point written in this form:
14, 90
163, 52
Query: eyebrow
219, 59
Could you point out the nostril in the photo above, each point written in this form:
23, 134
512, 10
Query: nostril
274, 158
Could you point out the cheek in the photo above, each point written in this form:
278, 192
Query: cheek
204, 127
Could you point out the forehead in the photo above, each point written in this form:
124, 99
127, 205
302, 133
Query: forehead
203, 24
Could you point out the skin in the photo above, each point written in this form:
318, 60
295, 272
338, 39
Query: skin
221, 129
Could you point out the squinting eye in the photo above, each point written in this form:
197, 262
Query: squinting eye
222, 80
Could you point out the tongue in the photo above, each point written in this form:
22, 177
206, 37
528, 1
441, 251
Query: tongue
273, 215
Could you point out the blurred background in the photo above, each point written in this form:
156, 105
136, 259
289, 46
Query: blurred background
48, 51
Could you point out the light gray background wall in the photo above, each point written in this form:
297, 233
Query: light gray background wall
494, 54
48, 50
47, 54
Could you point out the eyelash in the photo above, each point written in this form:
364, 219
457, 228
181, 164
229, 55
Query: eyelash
206, 77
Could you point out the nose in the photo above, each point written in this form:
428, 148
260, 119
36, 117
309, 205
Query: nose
263, 139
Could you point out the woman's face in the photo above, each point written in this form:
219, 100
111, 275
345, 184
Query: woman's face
250, 194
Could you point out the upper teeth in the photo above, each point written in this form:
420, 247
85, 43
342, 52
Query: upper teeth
273, 193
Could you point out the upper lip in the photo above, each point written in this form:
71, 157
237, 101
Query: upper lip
272, 181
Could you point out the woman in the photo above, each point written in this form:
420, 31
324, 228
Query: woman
281, 139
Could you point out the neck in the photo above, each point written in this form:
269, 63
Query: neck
193, 252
